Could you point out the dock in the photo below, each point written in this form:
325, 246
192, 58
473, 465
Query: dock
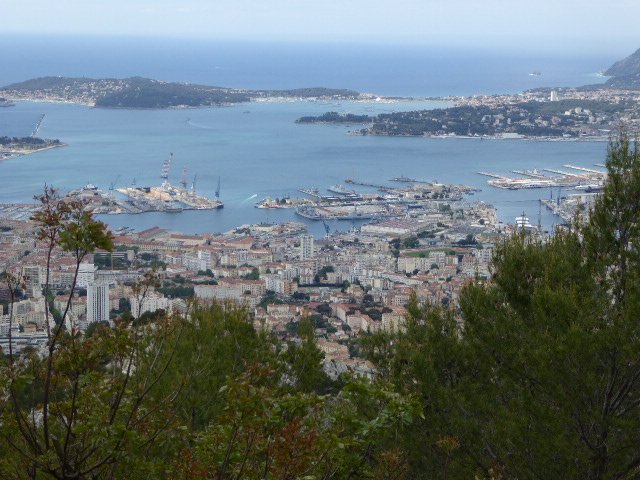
366, 184
530, 173
493, 175
583, 169
564, 173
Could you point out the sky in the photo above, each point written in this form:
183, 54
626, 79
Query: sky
546, 23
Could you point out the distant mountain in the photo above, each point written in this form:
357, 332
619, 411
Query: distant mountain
626, 72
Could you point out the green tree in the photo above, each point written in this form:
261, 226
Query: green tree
304, 361
539, 376
215, 344
80, 411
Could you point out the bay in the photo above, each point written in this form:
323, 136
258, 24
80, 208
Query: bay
257, 150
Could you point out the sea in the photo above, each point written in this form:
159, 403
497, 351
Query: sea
256, 150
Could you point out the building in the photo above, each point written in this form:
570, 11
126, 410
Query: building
97, 303
86, 275
306, 247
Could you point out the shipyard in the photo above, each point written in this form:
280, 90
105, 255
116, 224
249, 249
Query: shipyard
140, 199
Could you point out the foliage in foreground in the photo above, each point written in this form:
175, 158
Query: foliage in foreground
538, 374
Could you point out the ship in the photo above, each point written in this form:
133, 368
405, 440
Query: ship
313, 214
404, 179
535, 73
341, 190
523, 223
6, 103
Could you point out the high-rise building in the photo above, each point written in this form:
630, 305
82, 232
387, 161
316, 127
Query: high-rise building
34, 275
97, 303
554, 96
86, 275
306, 247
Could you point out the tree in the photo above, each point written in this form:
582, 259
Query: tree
304, 361
267, 431
215, 344
79, 411
539, 377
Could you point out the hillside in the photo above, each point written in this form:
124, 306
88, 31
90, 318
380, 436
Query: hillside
627, 66
626, 72
138, 92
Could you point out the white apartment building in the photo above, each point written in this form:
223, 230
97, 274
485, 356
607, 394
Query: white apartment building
97, 303
306, 247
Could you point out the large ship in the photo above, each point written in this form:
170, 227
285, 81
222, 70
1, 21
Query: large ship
320, 213
341, 190
6, 103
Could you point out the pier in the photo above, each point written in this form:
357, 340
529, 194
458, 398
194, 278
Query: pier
366, 184
37, 126
583, 169
530, 173
493, 175
563, 173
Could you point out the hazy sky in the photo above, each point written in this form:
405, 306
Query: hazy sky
594, 22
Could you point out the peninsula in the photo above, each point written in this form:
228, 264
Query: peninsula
14, 146
588, 112
138, 92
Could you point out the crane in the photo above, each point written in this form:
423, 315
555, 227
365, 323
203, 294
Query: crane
326, 227
193, 184
113, 184
218, 189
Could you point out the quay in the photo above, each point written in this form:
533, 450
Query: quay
493, 175
588, 170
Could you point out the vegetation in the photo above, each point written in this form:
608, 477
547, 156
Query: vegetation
138, 92
335, 117
28, 142
543, 380
548, 119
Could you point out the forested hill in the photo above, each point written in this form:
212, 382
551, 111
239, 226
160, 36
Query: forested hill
626, 72
138, 92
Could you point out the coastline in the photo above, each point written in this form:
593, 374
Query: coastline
276, 100
8, 154
355, 133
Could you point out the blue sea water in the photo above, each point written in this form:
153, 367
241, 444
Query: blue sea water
256, 149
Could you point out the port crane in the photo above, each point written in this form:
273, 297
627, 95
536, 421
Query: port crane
218, 189
326, 228
112, 185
